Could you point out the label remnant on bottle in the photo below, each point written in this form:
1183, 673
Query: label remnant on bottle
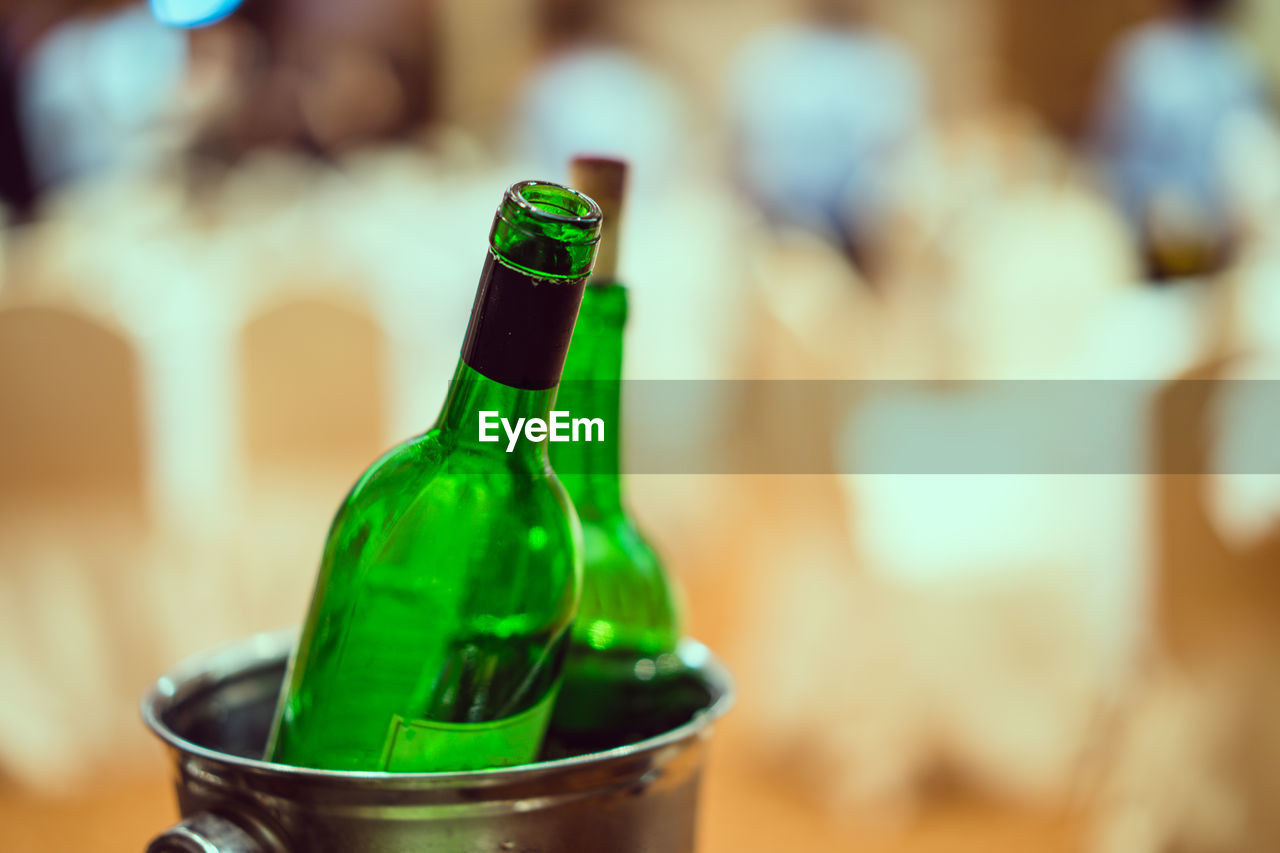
423, 745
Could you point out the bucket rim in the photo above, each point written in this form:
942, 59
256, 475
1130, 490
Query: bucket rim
220, 663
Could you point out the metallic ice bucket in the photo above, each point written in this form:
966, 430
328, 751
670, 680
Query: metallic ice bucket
214, 710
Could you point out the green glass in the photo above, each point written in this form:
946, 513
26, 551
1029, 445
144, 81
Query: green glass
436, 633
621, 678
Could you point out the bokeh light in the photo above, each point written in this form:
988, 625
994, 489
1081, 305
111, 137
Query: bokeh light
192, 13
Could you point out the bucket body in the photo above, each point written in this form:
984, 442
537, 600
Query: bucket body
214, 712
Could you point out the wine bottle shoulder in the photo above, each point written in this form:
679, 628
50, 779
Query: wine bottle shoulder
615, 541
410, 467
476, 504
625, 586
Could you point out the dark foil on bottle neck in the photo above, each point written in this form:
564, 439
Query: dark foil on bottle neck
521, 326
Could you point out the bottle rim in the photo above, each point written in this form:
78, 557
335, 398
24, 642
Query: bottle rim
549, 206
547, 230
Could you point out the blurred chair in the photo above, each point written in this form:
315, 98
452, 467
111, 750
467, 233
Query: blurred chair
1196, 767
72, 518
313, 388
70, 414
1243, 491
816, 321
313, 411
418, 259
1214, 595
812, 325
1003, 537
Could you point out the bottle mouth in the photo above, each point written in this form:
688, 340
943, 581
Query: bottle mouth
547, 229
555, 202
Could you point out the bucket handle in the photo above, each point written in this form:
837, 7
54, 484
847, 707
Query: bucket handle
205, 832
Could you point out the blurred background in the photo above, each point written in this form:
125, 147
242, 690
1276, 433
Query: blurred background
239, 250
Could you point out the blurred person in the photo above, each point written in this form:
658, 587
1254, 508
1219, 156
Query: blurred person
1196, 765
819, 109
318, 76
20, 29
368, 70
243, 96
592, 93
96, 90
1174, 87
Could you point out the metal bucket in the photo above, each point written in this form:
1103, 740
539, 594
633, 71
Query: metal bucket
214, 710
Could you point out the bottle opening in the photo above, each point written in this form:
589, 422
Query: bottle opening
558, 201
547, 230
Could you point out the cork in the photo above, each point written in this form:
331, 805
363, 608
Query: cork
604, 179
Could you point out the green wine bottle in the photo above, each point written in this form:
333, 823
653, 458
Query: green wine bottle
621, 655
436, 633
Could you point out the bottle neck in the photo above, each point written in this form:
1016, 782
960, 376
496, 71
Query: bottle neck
521, 325
592, 388
512, 358
474, 398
